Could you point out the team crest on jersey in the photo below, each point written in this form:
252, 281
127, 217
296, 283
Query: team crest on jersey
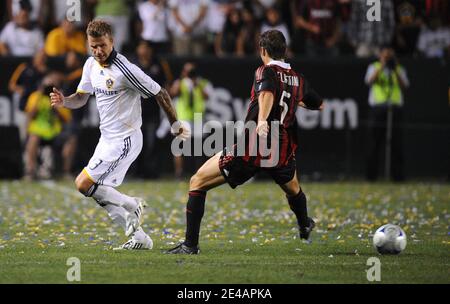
109, 83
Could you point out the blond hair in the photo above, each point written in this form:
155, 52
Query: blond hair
98, 28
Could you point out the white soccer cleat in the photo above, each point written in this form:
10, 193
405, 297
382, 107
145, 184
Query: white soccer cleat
139, 241
135, 218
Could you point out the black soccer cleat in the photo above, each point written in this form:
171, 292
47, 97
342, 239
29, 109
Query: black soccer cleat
306, 231
184, 249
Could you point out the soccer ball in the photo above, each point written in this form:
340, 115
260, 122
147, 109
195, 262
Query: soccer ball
389, 239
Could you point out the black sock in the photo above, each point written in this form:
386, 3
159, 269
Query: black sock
195, 209
298, 206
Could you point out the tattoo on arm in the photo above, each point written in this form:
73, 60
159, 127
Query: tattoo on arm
165, 102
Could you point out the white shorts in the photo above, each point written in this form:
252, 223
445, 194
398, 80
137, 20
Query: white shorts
112, 158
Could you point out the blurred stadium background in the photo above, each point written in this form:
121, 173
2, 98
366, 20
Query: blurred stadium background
330, 41
333, 144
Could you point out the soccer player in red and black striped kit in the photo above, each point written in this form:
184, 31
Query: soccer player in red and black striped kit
277, 91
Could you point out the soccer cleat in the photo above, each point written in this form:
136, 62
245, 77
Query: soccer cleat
139, 241
182, 248
135, 218
306, 231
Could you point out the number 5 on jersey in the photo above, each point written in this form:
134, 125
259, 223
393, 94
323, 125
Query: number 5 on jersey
284, 105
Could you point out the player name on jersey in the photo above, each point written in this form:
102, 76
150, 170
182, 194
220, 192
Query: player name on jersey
106, 92
289, 80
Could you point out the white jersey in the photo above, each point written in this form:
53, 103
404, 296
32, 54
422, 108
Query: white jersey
118, 87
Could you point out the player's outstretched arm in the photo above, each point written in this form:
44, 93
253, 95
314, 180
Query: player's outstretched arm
165, 102
74, 101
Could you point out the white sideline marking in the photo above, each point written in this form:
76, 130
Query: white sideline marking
63, 189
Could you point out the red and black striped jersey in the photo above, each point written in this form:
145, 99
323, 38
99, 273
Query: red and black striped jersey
288, 88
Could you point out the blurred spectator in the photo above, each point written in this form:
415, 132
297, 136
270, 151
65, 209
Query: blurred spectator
259, 7
188, 26
387, 80
159, 71
71, 131
417, 5
320, 21
27, 77
54, 12
191, 92
345, 8
227, 40
116, 13
44, 124
73, 68
434, 39
273, 22
34, 7
154, 25
408, 27
367, 37
248, 40
215, 22
19, 37
3, 14
65, 38
298, 32
439, 8
58, 11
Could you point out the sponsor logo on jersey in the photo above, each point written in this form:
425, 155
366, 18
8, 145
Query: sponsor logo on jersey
109, 83
105, 92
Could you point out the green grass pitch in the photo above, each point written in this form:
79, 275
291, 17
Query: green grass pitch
248, 235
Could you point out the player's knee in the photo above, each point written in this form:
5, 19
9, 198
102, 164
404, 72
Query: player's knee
196, 182
79, 184
292, 189
83, 184
292, 192
193, 181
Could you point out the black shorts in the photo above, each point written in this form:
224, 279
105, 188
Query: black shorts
237, 171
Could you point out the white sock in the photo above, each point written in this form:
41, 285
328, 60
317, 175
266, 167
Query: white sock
109, 195
118, 215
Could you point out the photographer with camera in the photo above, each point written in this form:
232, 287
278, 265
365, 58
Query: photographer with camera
191, 92
44, 124
387, 80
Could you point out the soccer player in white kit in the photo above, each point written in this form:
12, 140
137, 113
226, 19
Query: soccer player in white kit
118, 86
